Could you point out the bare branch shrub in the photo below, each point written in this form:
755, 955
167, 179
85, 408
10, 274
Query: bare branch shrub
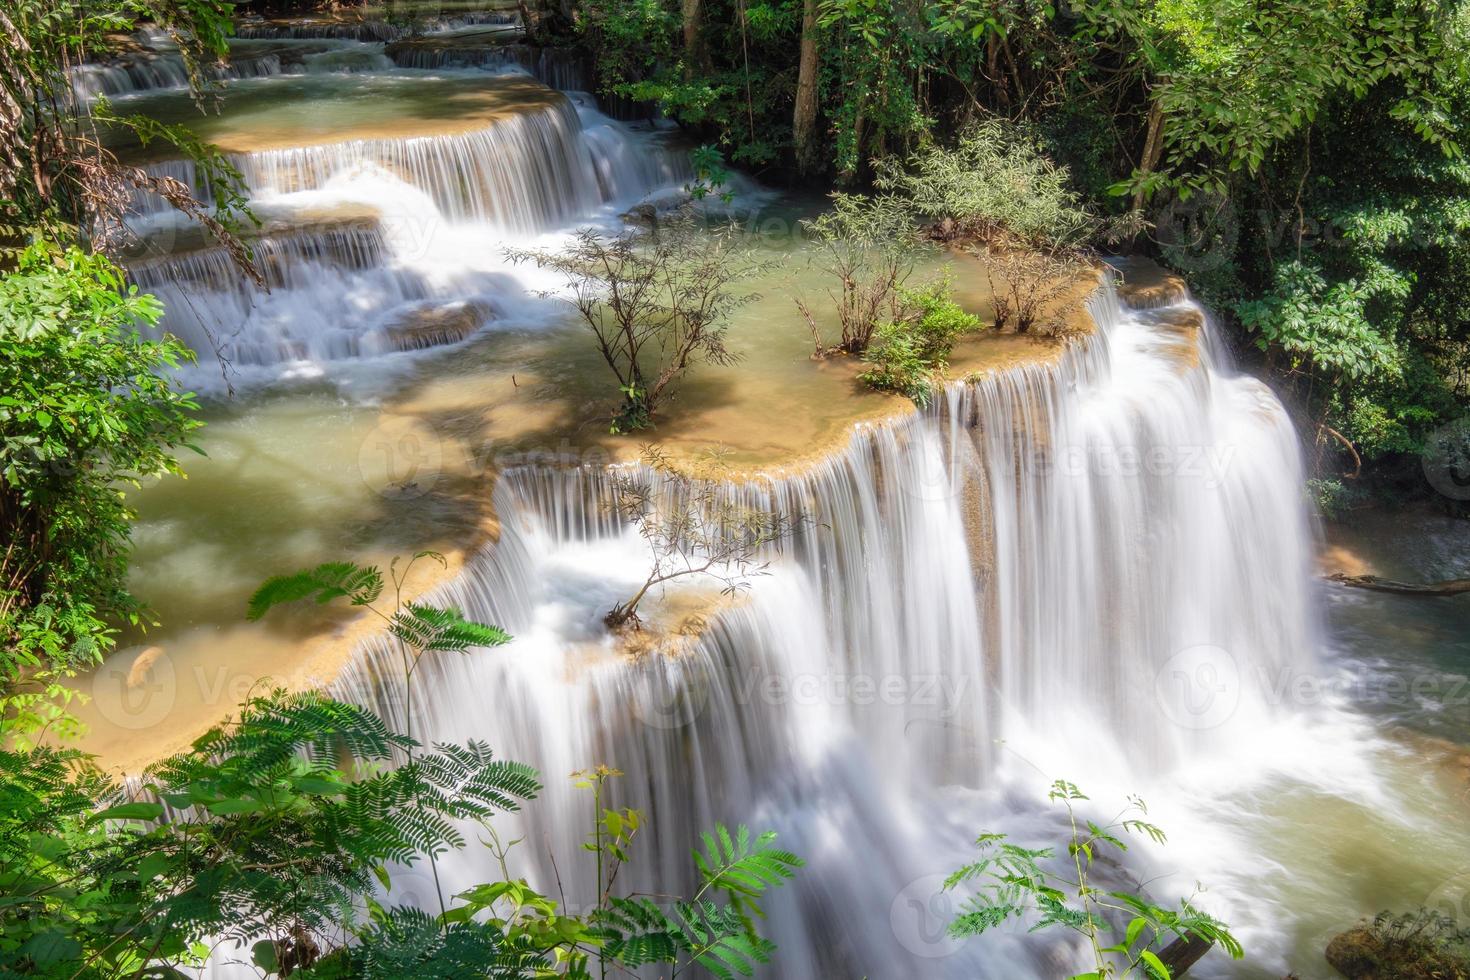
869, 245
655, 303
691, 529
1028, 288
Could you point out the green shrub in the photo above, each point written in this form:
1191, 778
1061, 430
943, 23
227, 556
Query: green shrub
86, 406
908, 353
997, 185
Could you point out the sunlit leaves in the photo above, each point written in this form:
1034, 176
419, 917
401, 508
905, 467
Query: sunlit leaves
360, 585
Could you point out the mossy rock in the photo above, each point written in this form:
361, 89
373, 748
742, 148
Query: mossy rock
1361, 953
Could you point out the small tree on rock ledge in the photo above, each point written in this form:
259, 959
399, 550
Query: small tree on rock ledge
691, 529
655, 303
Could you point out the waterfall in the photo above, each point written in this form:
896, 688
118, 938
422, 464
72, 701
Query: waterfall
557, 68
528, 171
373, 30
158, 71
1049, 565
426, 269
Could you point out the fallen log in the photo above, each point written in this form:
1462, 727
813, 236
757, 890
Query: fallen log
1454, 586
1184, 953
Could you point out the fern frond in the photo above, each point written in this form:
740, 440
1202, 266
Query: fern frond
429, 628
742, 868
360, 584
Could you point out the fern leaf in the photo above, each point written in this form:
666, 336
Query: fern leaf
429, 628
360, 584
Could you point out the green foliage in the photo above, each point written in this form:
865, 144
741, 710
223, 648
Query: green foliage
869, 246
1325, 325
56, 176
1305, 158
360, 585
277, 828
252, 831
1329, 497
1361, 306
1124, 929
996, 184
86, 407
908, 355
654, 303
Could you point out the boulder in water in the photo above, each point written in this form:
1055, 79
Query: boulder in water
1419, 945
435, 326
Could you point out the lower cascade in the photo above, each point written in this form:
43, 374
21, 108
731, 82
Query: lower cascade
1050, 560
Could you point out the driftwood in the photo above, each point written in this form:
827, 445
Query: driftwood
1454, 586
1184, 953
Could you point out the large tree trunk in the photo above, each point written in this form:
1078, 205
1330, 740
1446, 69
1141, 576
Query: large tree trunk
692, 11
1153, 148
804, 120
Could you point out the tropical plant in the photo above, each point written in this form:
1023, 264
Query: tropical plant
1126, 932
908, 355
260, 836
253, 835
86, 406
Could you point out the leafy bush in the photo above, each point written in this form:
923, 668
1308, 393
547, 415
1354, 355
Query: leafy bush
996, 185
86, 405
908, 353
260, 835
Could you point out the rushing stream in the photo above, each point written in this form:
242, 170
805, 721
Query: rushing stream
1096, 566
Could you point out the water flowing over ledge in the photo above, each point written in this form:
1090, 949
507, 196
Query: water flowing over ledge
529, 170
1023, 572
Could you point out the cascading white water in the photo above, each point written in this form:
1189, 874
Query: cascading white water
164, 70
529, 171
554, 67
373, 30
1050, 566
445, 208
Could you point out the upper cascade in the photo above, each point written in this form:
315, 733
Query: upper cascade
164, 70
366, 29
534, 168
385, 232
